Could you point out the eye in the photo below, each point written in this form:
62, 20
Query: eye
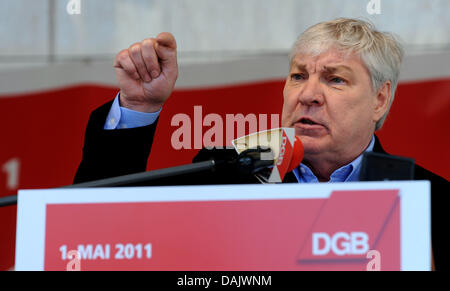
337, 80
296, 77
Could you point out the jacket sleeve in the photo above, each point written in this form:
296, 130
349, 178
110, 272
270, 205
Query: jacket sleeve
111, 153
439, 196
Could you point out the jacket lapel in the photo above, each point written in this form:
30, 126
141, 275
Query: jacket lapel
290, 178
377, 148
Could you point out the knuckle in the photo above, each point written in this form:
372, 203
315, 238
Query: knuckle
135, 49
148, 43
122, 55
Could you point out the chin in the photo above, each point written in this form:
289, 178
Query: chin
311, 145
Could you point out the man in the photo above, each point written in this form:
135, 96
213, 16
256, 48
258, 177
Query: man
342, 81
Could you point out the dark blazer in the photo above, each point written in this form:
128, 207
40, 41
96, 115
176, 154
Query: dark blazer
111, 153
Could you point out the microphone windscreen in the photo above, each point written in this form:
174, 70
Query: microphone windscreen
297, 155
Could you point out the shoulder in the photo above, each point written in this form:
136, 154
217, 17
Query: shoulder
419, 172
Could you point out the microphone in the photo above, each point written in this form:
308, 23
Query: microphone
286, 151
268, 155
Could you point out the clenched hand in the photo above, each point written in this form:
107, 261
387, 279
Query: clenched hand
147, 72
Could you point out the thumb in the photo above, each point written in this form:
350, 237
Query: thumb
166, 48
166, 39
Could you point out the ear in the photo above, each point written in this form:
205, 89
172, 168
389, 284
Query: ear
382, 100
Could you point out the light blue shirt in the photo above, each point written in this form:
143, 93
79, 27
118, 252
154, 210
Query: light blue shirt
121, 117
347, 173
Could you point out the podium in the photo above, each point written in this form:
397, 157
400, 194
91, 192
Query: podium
339, 226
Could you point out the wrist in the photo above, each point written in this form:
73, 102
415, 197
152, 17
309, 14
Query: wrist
147, 107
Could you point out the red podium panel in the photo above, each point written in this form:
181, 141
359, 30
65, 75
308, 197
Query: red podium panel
242, 227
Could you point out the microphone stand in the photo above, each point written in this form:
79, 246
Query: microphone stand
248, 162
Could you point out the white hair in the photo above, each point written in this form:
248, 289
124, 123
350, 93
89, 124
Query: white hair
381, 52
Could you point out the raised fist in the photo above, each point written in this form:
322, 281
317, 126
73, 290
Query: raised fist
147, 72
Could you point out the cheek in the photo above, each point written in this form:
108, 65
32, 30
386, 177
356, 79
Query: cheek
343, 113
289, 104
285, 115
351, 116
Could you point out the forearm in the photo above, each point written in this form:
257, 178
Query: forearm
111, 153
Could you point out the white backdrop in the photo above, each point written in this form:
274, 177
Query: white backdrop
36, 31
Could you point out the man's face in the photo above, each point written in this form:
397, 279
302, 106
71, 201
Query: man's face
330, 102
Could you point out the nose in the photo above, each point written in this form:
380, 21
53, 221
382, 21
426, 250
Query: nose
311, 93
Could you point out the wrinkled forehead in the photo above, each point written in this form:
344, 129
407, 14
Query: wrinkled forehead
331, 58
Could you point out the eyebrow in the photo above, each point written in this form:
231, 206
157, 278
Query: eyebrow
331, 69
328, 69
301, 66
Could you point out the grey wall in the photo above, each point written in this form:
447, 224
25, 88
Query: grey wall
38, 31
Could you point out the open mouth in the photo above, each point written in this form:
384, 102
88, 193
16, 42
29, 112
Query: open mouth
308, 121
308, 125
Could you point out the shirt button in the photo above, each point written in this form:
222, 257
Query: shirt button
303, 170
111, 121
